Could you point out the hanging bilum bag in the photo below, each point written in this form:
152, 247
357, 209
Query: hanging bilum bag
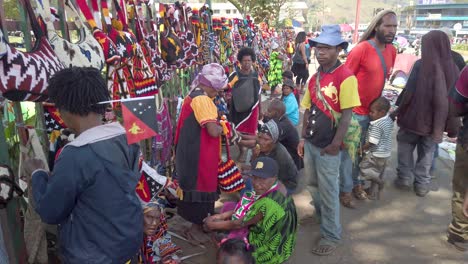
133, 74
244, 92
116, 83
163, 140
164, 73
187, 38
85, 53
24, 75
171, 48
225, 41
144, 73
229, 178
109, 49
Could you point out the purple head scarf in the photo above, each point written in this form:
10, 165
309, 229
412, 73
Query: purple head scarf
211, 75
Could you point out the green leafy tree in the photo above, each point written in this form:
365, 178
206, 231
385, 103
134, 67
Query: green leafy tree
260, 10
11, 9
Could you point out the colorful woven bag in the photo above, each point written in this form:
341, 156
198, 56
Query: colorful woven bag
24, 75
164, 73
187, 38
171, 47
85, 53
146, 83
109, 48
229, 177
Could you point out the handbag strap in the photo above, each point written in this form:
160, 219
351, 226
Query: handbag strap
140, 31
319, 95
382, 60
228, 152
77, 17
44, 10
83, 5
32, 17
120, 13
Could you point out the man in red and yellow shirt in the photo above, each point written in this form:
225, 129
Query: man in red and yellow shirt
371, 61
329, 102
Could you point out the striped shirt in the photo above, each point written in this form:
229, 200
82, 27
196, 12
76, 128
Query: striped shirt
380, 136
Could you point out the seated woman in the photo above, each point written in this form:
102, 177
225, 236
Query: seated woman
157, 244
266, 216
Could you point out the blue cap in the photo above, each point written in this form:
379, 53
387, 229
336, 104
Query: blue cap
331, 36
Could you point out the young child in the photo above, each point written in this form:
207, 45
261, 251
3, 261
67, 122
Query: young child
378, 147
292, 107
288, 75
235, 251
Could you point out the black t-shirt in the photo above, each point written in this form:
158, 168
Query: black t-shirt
288, 172
289, 138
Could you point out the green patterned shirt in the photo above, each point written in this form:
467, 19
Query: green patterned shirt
274, 237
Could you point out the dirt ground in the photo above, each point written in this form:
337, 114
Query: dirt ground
400, 228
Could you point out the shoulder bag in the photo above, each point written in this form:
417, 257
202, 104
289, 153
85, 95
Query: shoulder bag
229, 177
85, 53
352, 138
187, 39
244, 94
171, 47
24, 75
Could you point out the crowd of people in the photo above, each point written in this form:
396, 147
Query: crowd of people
344, 145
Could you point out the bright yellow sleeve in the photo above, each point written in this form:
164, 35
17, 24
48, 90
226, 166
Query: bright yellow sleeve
306, 102
204, 109
349, 94
232, 80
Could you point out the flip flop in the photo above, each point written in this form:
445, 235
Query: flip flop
324, 250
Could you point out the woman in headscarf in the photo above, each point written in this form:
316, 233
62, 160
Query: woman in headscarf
268, 146
198, 148
423, 111
157, 244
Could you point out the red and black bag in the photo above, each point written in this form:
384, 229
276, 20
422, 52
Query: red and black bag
187, 38
24, 76
229, 177
171, 47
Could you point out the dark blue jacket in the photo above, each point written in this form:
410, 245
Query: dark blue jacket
91, 196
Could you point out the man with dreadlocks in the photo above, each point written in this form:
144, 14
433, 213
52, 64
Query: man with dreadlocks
371, 61
90, 193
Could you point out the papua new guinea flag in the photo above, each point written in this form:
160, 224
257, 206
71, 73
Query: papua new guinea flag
139, 119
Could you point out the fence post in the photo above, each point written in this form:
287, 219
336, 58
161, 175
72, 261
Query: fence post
63, 20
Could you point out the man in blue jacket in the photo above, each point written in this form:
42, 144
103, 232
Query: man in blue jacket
90, 193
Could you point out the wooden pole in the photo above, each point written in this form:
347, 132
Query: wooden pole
356, 22
2, 15
4, 157
63, 20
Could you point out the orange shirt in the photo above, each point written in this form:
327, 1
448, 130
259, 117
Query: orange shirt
365, 63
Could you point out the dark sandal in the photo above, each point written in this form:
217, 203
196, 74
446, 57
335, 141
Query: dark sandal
323, 250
